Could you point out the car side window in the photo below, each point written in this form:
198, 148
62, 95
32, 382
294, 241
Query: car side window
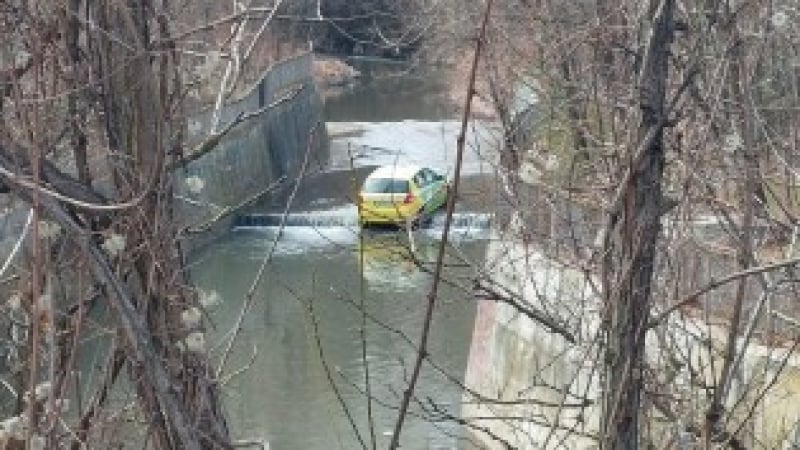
420, 179
430, 176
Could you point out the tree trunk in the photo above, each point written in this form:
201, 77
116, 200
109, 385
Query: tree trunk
74, 106
179, 395
633, 228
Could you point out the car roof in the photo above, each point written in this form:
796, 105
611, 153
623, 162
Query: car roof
402, 172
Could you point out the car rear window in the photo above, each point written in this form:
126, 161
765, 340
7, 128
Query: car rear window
385, 186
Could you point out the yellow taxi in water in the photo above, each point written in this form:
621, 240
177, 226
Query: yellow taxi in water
400, 195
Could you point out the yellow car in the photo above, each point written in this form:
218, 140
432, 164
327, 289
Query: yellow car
400, 195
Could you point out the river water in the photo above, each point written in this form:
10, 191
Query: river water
333, 305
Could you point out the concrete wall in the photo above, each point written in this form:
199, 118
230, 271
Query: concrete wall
528, 369
256, 153
538, 378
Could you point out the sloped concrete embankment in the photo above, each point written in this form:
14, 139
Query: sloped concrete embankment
255, 154
539, 390
518, 366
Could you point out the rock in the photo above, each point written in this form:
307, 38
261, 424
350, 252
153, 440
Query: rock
330, 72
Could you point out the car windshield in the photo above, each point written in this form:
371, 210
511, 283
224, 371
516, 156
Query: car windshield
385, 186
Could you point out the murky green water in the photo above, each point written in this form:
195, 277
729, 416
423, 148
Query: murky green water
391, 92
285, 396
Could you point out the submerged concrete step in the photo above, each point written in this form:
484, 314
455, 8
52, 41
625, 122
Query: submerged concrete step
331, 219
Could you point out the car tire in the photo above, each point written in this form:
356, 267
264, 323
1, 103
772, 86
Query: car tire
424, 219
416, 222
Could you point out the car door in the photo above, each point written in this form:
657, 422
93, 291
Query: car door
437, 189
424, 188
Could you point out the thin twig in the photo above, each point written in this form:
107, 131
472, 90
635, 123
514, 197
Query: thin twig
250, 295
242, 369
36, 273
361, 295
228, 210
18, 244
328, 374
211, 142
422, 351
259, 33
715, 284
237, 33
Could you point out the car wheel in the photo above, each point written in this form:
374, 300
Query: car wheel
415, 222
424, 218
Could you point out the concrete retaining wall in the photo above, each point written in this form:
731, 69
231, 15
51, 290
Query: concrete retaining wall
256, 153
522, 365
537, 379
